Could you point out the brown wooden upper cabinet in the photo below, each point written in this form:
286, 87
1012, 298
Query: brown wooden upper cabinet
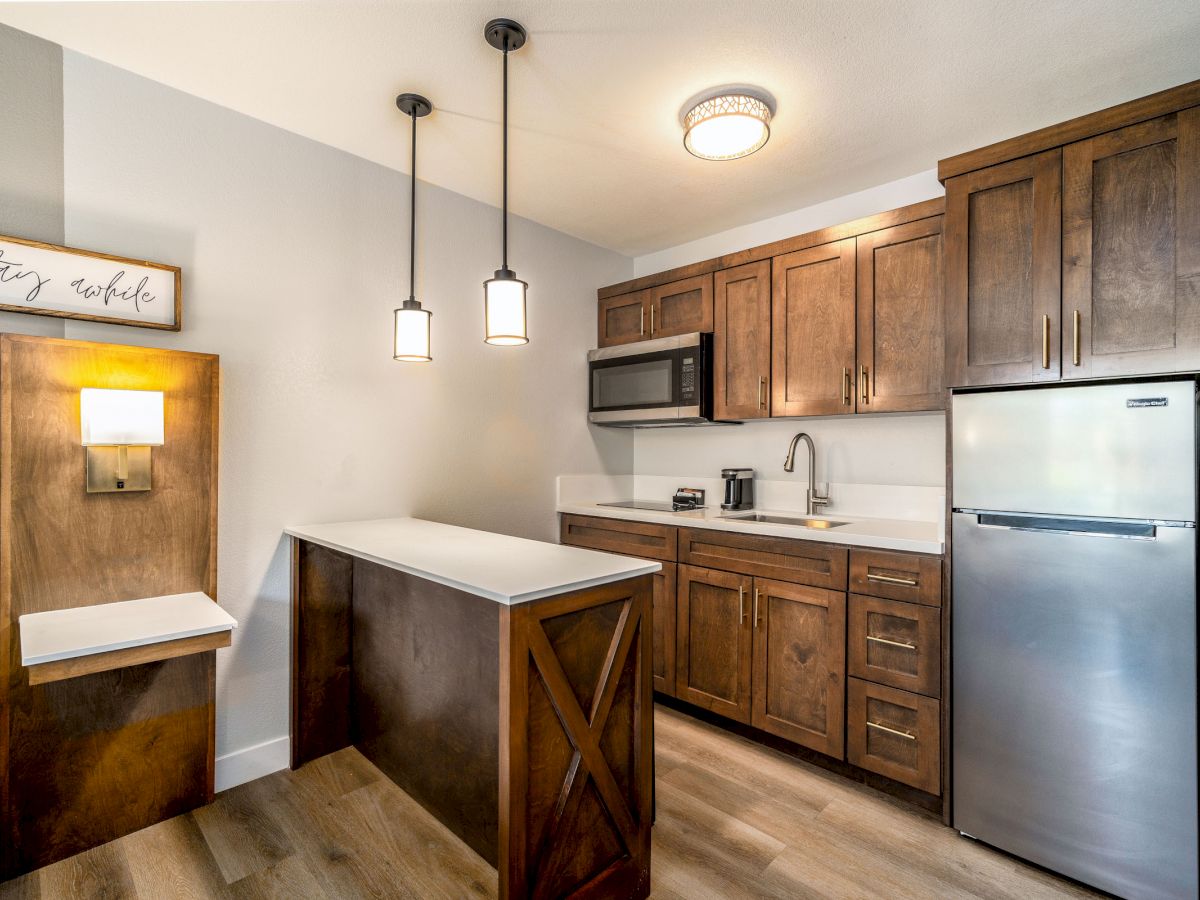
812, 341
680, 307
742, 342
1002, 273
1131, 250
901, 347
1074, 251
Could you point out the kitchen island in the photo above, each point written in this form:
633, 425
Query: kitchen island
504, 683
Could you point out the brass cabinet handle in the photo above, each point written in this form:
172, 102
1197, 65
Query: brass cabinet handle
864, 384
652, 320
642, 321
845, 387
1045, 342
756, 607
896, 732
741, 604
1075, 356
879, 640
891, 579
762, 391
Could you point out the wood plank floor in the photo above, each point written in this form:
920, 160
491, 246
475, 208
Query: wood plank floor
735, 820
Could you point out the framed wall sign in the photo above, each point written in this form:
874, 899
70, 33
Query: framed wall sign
48, 280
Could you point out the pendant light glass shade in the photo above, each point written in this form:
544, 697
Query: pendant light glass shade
410, 335
504, 310
411, 341
504, 319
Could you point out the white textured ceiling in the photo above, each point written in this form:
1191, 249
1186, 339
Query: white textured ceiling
868, 90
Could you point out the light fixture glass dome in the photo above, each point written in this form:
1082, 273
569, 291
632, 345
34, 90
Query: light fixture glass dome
728, 125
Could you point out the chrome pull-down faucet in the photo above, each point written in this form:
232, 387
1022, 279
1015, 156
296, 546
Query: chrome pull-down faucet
789, 465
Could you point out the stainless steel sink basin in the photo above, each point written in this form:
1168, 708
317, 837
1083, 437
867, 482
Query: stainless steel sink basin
799, 521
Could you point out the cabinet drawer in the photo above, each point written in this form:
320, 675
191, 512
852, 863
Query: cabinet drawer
894, 733
897, 576
619, 536
894, 643
801, 562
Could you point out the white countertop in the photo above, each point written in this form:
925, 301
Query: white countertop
885, 534
85, 630
508, 570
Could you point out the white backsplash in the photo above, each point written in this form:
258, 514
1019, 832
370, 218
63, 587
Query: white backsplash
878, 501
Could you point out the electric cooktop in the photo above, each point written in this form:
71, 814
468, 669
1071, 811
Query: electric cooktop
656, 505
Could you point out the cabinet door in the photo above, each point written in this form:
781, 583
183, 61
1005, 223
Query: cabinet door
742, 341
800, 664
682, 307
1003, 298
812, 341
623, 319
901, 344
664, 629
1131, 250
712, 649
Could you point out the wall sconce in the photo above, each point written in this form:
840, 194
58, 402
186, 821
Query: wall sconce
119, 428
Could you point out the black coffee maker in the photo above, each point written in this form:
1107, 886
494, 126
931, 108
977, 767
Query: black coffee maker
739, 489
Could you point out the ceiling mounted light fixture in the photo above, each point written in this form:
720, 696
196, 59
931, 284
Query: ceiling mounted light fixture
727, 123
504, 294
410, 342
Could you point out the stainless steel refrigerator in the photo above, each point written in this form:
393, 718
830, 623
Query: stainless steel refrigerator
1074, 630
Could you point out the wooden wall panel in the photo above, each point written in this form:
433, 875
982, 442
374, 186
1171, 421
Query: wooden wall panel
95, 757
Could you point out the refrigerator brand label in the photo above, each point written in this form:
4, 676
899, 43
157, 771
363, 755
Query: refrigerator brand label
1143, 402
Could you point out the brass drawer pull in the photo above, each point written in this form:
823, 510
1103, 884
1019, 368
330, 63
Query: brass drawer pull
889, 579
902, 734
762, 391
1045, 342
845, 387
756, 607
642, 320
864, 385
651, 321
879, 640
741, 605
1075, 357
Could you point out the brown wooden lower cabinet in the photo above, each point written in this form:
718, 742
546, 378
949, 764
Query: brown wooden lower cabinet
894, 733
642, 539
664, 629
713, 646
894, 643
800, 664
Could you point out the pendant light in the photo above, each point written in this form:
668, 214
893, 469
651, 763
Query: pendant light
504, 293
411, 338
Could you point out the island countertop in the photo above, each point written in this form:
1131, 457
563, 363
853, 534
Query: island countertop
508, 570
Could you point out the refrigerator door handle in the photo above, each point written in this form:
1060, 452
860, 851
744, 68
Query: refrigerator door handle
1144, 531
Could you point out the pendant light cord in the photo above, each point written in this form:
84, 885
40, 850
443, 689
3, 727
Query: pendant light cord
504, 252
412, 212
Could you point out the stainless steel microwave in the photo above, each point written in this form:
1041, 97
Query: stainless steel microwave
661, 382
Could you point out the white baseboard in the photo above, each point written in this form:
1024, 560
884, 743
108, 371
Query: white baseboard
245, 765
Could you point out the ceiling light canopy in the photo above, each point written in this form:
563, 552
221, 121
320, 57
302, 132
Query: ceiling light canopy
727, 123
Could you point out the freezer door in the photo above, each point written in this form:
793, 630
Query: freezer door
1112, 451
1074, 714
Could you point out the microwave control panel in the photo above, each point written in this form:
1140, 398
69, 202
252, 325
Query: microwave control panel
687, 380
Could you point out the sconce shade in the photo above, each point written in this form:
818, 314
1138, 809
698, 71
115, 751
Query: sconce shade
412, 334
504, 310
114, 417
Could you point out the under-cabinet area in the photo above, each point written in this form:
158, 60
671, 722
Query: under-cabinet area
833, 648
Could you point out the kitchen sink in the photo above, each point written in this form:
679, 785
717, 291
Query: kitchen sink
800, 521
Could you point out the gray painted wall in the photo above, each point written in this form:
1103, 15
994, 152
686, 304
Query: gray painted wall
294, 255
31, 153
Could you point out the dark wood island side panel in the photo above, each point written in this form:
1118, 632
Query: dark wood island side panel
426, 696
